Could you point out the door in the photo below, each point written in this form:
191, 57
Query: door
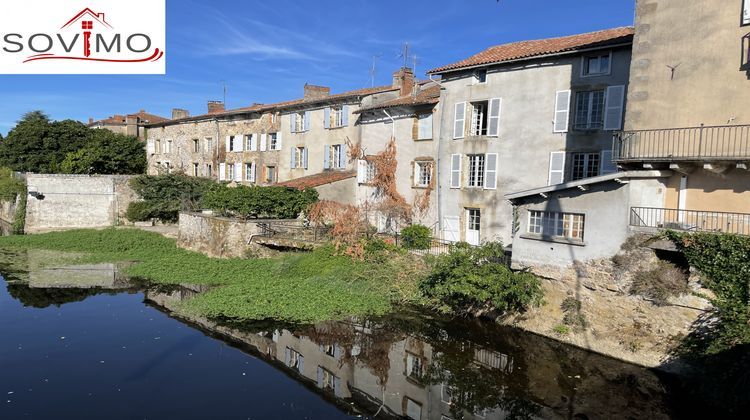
451, 231
473, 223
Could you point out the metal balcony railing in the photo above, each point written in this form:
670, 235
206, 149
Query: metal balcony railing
690, 220
727, 142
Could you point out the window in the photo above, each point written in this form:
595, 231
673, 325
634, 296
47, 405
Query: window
413, 366
250, 142
273, 142
196, 169
158, 146
422, 174
589, 110
231, 144
250, 172
423, 127
335, 156
446, 394
330, 350
299, 122
745, 13
196, 146
554, 224
167, 146
273, 118
480, 76
230, 172
327, 379
209, 170
596, 65
365, 171
270, 174
413, 409
585, 165
208, 144
474, 219
336, 117
370, 171
294, 359
479, 118
476, 171
299, 158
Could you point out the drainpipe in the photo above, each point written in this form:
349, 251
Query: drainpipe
441, 104
393, 124
215, 152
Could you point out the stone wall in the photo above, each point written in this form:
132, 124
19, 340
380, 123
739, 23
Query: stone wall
218, 237
76, 201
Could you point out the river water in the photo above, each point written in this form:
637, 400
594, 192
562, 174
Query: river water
84, 343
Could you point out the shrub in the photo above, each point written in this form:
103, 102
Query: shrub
467, 279
167, 195
259, 202
416, 237
573, 317
10, 186
139, 211
660, 283
561, 329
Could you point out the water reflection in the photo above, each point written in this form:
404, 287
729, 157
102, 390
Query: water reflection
427, 368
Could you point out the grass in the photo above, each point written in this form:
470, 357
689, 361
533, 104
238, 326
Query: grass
308, 287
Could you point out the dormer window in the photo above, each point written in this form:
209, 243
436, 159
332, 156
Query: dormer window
597, 65
480, 76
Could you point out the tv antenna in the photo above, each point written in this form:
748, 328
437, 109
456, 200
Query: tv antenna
373, 69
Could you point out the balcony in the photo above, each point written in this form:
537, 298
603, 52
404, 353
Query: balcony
690, 144
690, 220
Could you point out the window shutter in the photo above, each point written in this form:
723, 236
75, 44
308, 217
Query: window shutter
326, 157
222, 171
293, 163
301, 362
278, 141
415, 173
293, 122
342, 157
455, 171
263, 142
150, 147
361, 171
320, 377
287, 356
253, 142
416, 127
607, 165
238, 172
229, 143
327, 117
493, 129
490, 172
459, 121
345, 115
337, 386
614, 107
239, 143
556, 168
307, 120
304, 157
562, 111
253, 171
425, 126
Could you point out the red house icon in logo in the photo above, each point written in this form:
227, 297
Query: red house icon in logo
87, 18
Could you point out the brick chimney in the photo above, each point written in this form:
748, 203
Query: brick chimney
91, 120
404, 79
215, 107
178, 113
131, 125
316, 92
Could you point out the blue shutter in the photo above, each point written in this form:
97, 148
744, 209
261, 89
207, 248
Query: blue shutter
327, 117
327, 157
304, 157
345, 116
301, 363
293, 122
307, 120
343, 157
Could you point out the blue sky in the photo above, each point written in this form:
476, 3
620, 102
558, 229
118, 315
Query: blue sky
266, 51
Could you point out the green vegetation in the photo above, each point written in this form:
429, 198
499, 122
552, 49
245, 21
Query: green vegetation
164, 196
37, 144
10, 186
723, 262
19, 219
561, 329
260, 202
660, 283
416, 237
298, 288
469, 279
573, 317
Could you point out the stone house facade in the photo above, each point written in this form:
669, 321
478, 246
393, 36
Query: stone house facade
524, 115
130, 125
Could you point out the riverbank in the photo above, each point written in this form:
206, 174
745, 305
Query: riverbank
303, 288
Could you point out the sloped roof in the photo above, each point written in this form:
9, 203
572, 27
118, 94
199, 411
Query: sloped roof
426, 96
143, 118
540, 47
323, 178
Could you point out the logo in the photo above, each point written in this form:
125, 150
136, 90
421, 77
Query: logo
115, 38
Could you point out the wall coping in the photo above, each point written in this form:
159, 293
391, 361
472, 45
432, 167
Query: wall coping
232, 219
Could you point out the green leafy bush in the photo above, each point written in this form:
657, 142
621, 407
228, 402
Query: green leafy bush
468, 279
166, 195
724, 264
139, 211
259, 202
10, 186
416, 237
660, 283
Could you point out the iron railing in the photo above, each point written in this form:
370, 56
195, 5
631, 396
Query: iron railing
690, 220
294, 232
727, 142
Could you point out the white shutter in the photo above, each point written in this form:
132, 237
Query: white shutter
415, 167
455, 171
425, 127
614, 107
253, 169
490, 171
493, 129
278, 140
293, 122
239, 143
562, 111
229, 142
459, 121
222, 171
238, 172
263, 142
451, 228
361, 171
556, 168
253, 142
150, 147
607, 166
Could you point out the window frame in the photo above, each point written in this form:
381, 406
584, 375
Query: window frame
273, 141
585, 61
476, 76
426, 166
476, 170
299, 122
586, 165
196, 169
484, 119
196, 145
334, 157
591, 125
271, 169
566, 226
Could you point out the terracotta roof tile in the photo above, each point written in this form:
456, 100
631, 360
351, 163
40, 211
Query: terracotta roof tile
323, 178
427, 96
143, 118
529, 49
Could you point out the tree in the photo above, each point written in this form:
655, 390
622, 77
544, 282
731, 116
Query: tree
107, 153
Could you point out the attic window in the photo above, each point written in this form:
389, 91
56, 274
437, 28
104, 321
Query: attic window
597, 65
480, 76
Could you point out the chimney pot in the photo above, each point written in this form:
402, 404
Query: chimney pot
178, 113
215, 107
316, 92
404, 80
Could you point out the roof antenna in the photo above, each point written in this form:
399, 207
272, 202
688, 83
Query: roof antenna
405, 54
373, 70
224, 84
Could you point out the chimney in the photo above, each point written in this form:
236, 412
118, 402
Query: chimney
178, 113
404, 79
91, 120
131, 125
316, 92
215, 107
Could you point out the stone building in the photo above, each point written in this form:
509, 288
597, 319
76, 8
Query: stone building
130, 125
524, 115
